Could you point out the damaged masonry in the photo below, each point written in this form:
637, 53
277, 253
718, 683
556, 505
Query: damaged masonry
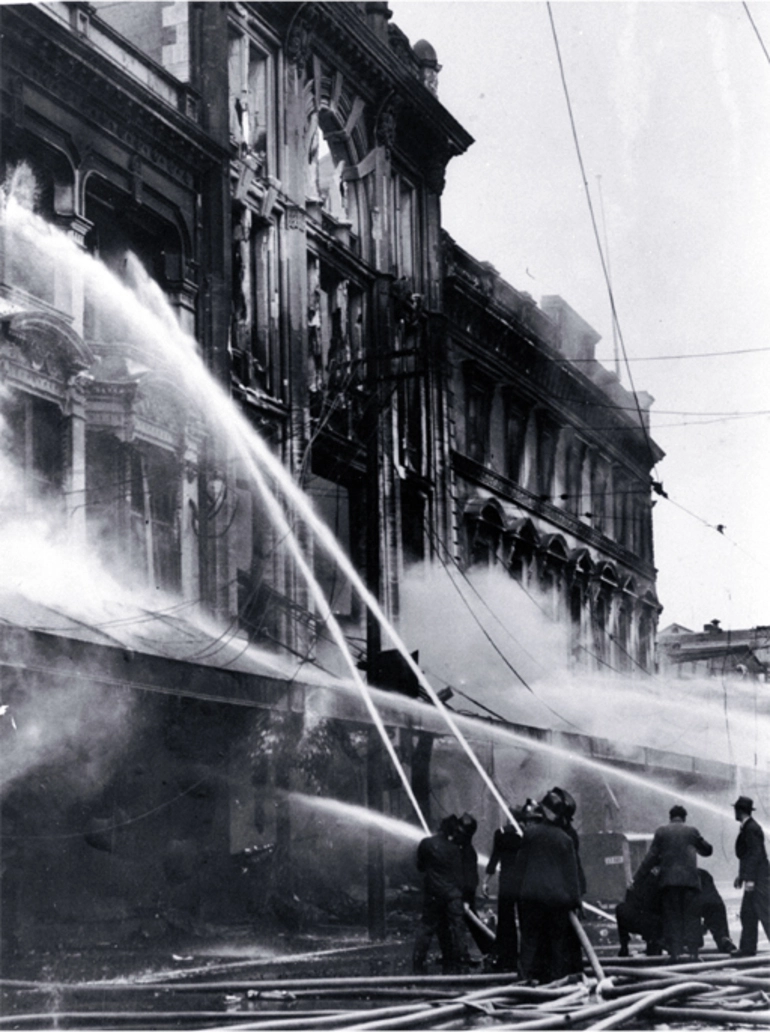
221, 247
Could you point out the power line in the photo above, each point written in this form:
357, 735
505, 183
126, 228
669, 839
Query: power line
596, 234
596, 623
668, 358
756, 32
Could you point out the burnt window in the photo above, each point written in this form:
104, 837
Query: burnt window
412, 522
333, 504
477, 408
515, 433
546, 455
37, 433
133, 495
486, 535
252, 100
406, 229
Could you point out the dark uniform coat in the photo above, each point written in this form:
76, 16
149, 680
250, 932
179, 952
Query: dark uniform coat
675, 849
547, 888
440, 861
546, 869
754, 868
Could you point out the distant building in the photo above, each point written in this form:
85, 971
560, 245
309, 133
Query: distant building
714, 652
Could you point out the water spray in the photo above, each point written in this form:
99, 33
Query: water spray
281, 522
362, 815
326, 538
501, 731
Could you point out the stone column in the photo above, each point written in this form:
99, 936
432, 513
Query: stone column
75, 476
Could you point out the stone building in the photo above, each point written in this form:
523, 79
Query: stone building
550, 463
277, 169
734, 655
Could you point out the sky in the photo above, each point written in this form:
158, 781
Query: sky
671, 103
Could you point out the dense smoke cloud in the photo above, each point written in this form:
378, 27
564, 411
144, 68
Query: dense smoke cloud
464, 626
46, 582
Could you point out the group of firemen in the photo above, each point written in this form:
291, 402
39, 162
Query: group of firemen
670, 902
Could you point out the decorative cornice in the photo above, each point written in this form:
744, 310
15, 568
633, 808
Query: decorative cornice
505, 488
506, 347
341, 34
73, 75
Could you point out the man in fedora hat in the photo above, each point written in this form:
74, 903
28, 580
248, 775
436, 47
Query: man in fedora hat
753, 876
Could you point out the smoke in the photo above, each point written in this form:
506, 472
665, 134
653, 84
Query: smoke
52, 578
495, 644
482, 635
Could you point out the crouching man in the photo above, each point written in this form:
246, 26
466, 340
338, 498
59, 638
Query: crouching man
640, 914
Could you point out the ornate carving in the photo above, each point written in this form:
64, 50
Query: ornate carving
295, 218
435, 174
387, 121
46, 344
300, 38
84, 88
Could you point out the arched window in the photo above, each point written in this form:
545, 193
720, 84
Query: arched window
486, 534
524, 539
41, 404
579, 574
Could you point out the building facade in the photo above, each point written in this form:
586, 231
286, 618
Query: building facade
277, 169
550, 461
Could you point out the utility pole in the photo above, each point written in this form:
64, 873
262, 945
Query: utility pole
375, 759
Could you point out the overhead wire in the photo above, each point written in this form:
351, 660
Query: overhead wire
665, 358
642, 422
596, 232
486, 634
756, 31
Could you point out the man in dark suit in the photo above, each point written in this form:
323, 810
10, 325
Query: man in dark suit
546, 887
753, 877
674, 850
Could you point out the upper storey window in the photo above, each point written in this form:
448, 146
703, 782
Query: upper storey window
252, 101
326, 182
35, 431
328, 186
405, 228
478, 399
